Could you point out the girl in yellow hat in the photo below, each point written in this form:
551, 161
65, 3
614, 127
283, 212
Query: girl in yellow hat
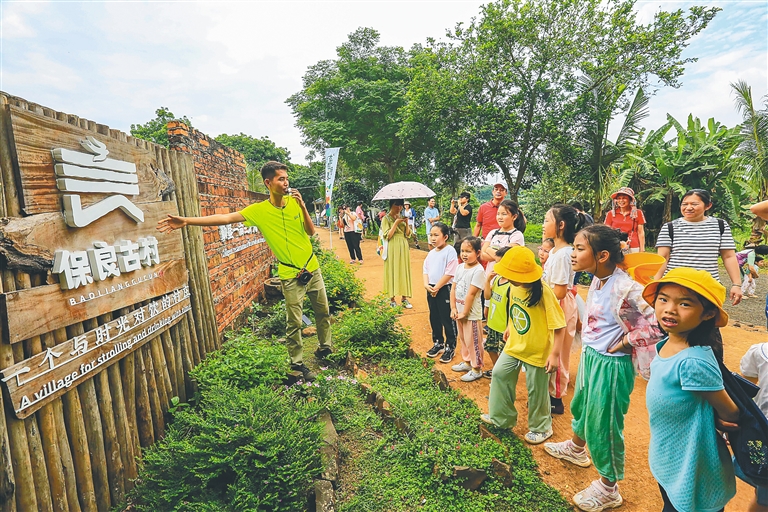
534, 336
619, 323
687, 457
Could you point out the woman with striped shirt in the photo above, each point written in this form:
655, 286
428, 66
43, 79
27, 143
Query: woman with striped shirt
696, 240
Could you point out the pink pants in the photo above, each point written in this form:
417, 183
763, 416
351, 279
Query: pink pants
471, 336
558, 381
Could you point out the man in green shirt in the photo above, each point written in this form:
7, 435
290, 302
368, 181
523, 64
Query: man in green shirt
286, 225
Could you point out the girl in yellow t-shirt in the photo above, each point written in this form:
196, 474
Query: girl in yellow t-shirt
534, 337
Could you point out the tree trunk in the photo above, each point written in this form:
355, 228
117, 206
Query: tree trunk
668, 207
758, 231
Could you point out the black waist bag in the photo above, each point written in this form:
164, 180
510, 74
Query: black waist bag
750, 442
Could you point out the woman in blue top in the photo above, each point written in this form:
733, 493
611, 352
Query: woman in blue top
687, 456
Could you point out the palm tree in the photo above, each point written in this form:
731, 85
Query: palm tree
601, 100
754, 148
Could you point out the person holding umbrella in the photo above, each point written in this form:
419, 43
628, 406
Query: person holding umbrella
397, 266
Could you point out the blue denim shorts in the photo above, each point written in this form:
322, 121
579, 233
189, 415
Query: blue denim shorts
760, 492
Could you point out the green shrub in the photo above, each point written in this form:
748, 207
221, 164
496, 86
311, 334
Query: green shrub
342, 287
244, 361
253, 449
533, 233
370, 331
269, 320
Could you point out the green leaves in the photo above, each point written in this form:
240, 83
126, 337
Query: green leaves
156, 130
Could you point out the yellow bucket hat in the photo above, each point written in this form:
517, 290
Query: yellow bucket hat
519, 264
699, 281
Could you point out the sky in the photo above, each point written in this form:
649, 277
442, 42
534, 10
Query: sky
230, 66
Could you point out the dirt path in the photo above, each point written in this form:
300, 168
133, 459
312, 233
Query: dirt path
639, 489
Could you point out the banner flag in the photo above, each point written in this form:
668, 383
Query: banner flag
331, 159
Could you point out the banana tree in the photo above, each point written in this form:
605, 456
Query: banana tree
699, 157
753, 149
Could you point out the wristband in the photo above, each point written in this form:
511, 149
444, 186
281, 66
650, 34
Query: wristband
739, 285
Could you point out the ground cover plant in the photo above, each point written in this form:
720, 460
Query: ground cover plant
371, 332
395, 470
248, 444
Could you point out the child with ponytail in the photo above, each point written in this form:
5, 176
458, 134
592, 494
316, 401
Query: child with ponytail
534, 337
561, 224
619, 325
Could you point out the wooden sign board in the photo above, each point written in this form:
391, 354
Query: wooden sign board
36, 381
22, 309
35, 137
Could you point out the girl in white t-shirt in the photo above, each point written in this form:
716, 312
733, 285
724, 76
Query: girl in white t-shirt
509, 233
561, 224
467, 310
438, 271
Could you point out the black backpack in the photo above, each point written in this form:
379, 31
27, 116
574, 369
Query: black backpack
750, 442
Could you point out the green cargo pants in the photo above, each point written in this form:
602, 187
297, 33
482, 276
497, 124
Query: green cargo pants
294, 298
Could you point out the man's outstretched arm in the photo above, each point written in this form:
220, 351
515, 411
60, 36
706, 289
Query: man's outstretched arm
172, 222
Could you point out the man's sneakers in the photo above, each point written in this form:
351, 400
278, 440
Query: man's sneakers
323, 353
598, 497
537, 437
447, 356
308, 374
567, 450
436, 350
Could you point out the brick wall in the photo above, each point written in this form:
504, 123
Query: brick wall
239, 259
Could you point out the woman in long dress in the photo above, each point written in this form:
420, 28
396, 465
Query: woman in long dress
397, 266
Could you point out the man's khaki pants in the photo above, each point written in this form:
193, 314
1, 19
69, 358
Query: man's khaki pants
294, 298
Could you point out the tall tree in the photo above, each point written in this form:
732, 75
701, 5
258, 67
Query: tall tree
156, 130
516, 66
256, 152
753, 149
354, 102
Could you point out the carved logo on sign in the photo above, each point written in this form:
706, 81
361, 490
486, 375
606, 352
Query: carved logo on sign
81, 268
95, 173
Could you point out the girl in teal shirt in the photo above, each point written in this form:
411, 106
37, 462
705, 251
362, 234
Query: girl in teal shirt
687, 456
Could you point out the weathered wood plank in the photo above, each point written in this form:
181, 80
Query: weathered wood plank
20, 309
36, 381
29, 243
34, 136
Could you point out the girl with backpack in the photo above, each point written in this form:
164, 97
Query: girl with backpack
696, 240
509, 233
561, 224
534, 337
688, 458
618, 336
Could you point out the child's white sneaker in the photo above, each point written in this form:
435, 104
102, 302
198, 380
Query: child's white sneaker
461, 367
567, 450
471, 375
596, 498
537, 437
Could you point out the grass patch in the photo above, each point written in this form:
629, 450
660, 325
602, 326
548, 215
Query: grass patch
392, 471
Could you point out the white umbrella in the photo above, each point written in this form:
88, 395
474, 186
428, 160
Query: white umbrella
403, 190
